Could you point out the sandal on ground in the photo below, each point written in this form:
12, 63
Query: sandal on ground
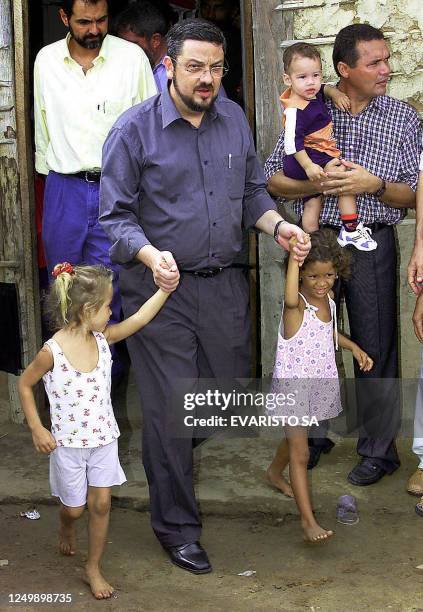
415, 483
346, 510
419, 507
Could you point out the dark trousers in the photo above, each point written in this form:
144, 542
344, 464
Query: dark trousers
203, 331
371, 301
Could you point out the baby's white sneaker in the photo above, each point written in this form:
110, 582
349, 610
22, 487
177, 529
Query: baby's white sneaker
360, 238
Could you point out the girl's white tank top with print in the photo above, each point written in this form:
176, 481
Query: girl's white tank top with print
80, 405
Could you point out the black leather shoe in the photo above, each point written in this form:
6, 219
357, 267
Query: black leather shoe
190, 557
365, 473
316, 451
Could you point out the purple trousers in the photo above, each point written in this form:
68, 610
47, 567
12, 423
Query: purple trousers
294, 170
71, 231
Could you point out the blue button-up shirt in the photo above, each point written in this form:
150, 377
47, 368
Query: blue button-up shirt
179, 188
160, 75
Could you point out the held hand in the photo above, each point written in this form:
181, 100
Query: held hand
418, 317
415, 269
341, 100
165, 271
314, 172
43, 440
364, 361
293, 239
356, 180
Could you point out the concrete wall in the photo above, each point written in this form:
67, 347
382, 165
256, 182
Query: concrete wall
318, 21
402, 22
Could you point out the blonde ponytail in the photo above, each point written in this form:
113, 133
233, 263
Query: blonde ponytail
75, 290
62, 285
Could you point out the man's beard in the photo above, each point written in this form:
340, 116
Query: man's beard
196, 107
88, 41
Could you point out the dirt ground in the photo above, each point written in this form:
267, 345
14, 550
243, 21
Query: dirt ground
370, 566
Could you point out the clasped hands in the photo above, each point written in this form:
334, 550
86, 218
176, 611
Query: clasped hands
165, 271
344, 177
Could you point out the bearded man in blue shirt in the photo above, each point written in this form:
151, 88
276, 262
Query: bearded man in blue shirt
180, 178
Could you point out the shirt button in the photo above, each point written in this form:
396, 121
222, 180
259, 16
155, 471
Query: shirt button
214, 224
210, 192
213, 254
205, 162
351, 147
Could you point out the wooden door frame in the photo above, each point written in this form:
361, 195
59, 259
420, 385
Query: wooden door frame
272, 24
249, 107
26, 176
27, 279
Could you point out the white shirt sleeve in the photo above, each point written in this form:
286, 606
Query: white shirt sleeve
42, 138
290, 129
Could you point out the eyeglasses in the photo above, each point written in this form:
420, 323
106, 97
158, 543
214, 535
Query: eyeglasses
200, 69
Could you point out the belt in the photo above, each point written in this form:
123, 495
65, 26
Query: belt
90, 176
209, 272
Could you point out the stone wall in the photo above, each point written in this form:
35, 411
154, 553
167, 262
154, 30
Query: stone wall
402, 22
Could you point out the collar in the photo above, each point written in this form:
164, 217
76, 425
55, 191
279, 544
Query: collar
287, 103
159, 65
170, 113
102, 56
378, 103
104, 49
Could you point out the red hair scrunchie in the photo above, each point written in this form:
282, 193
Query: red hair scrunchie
62, 267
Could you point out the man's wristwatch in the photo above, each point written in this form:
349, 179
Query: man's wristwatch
276, 230
379, 193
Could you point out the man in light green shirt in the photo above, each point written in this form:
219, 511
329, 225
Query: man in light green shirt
82, 84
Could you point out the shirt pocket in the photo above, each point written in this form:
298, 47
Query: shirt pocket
111, 109
234, 171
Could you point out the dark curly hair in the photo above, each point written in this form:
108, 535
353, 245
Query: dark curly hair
324, 247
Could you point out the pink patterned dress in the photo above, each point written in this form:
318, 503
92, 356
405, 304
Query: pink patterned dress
305, 368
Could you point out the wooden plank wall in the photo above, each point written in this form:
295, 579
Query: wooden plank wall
17, 244
270, 28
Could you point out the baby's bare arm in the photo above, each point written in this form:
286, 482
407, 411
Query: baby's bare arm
341, 100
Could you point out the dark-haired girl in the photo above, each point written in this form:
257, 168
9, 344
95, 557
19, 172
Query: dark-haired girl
305, 365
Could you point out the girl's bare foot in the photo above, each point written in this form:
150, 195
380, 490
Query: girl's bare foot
279, 482
100, 588
67, 541
315, 533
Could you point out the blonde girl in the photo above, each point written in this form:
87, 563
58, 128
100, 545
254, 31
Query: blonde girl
75, 366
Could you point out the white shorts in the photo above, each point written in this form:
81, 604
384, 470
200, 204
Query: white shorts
73, 470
